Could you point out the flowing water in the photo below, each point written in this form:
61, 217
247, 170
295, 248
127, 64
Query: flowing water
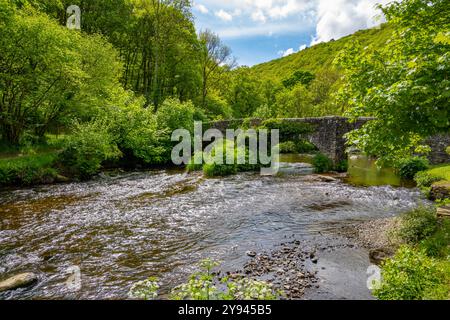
124, 227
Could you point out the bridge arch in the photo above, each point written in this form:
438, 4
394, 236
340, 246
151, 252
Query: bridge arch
329, 136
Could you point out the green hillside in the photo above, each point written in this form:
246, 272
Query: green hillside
319, 57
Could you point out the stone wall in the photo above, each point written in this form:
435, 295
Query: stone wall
329, 136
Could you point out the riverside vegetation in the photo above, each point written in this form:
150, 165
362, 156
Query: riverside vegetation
75, 102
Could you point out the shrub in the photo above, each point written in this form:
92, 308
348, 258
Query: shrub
213, 169
322, 163
90, 145
207, 285
288, 147
408, 168
448, 150
137, 133
425, 179
195, 165
173, 115
298, 146
412, 275
28, 170
289, 130
418, 224
438, 245
219, 170
342, 166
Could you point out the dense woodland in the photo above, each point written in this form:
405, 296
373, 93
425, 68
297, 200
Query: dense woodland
138, 69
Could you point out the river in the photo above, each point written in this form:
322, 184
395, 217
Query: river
123, 227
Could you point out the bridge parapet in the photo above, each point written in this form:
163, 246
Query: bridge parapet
329, 135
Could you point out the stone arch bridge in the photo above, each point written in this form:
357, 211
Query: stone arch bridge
329, 136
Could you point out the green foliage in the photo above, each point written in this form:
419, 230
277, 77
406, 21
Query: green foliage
425, 180
303, 77
442, 171
438, 244
217, 108
145, 290
322, 163
173, 115
50, 75
297, 146
289, 130
136, 131
409, 167
205, 285
28, 170
216, 162
87, 148
418, 225
412, 275
342, 166
403, 84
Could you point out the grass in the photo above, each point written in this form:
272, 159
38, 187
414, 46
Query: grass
441, 171
28, 170
29, 164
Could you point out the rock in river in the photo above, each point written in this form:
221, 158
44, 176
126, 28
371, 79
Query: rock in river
378, 256
18, 281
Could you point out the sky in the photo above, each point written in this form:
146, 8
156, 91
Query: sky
263, 30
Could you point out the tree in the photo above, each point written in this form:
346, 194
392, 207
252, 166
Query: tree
215, 58
302, 77
48, 71
405, 84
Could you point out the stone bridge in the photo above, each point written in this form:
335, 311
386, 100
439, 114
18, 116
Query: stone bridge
329, 136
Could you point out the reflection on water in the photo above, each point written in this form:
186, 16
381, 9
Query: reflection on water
363, 171
123, 228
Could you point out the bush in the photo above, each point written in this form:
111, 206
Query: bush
28, 170
288, 147
408, 168
412, 275
138, 135
298, 146
173, 115
87, 148
289, 130
322, 163
342, 166
438, 245
425, 179
207, 285
418, 224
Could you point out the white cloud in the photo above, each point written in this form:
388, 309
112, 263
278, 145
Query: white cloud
202, 8
288, 52
259, 16
223, 15
338, 18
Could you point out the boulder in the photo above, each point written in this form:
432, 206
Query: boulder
440, 191
18, 281
378, 256
444, 212
326, 178
61, 179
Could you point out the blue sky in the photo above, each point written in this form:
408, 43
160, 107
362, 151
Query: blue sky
262, 30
